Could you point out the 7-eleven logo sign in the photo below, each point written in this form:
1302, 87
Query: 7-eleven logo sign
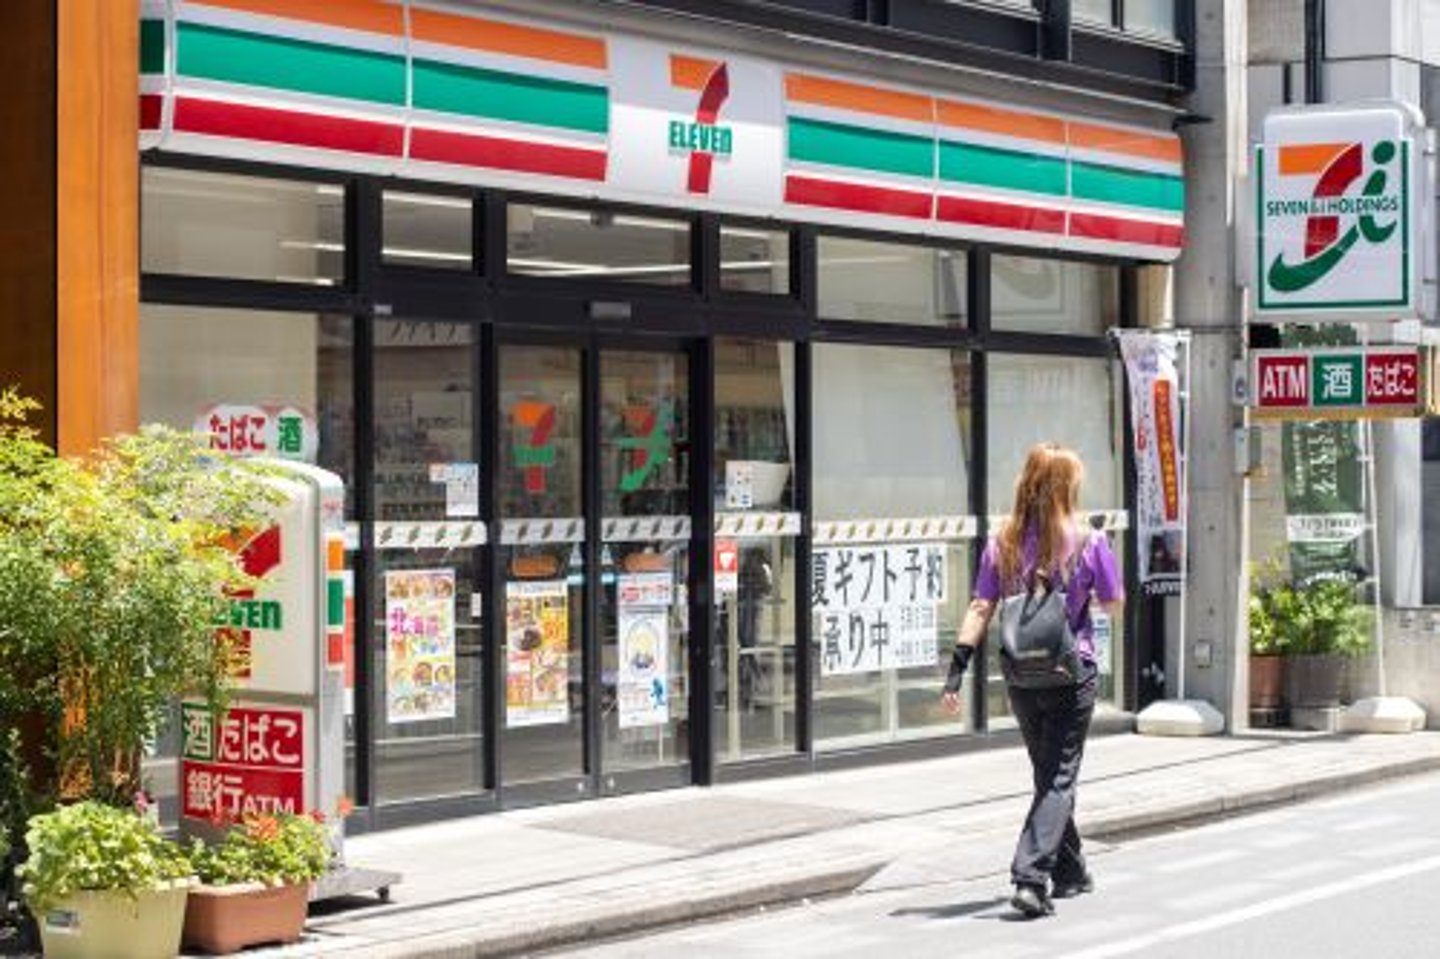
1333, 215
701, 137
247, 614
534, 444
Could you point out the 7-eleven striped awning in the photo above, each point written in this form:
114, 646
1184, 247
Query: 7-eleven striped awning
448, 92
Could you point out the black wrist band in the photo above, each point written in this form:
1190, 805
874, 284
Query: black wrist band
959, 662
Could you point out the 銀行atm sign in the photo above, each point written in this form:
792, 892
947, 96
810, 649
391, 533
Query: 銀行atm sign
1339, 382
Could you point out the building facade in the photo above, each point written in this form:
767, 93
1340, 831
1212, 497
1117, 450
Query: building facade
675, 355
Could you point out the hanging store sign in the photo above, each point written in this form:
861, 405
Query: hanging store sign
253, 761
1339, 210
484, 98
1339, 382
1150, 368
877, 605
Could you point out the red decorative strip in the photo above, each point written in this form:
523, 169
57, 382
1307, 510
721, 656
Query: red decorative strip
1119, 230
151, 105
244, 122
855, 196
497, 153
1000, 216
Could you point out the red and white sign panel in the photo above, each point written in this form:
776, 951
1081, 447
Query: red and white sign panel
253, 762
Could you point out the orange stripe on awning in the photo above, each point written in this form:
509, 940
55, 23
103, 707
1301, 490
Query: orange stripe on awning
372, 16
823, 92
690, 73
1010, 123
1302, 158
335, 554
1113, 140
494, 36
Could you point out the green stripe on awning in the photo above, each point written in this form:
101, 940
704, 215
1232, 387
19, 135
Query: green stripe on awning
1107, 184
335, 602
282, 63
493, 94
879, 151
1003, 169
152, 46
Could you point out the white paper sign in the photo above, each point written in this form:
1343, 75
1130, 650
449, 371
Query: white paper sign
877, 606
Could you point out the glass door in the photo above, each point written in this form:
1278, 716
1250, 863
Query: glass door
644, 627
541, 562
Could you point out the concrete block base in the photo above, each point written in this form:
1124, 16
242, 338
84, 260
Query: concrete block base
1384, 714
1180, 717
1319, 719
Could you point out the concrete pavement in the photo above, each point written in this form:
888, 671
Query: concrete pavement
538, 879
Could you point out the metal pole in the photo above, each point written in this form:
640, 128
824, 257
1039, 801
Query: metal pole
1184, 340
1314, 50
1372, 525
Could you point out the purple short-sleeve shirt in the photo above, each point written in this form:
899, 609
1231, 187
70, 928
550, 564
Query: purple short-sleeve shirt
1096, 574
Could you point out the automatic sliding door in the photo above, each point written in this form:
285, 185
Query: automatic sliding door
541, 552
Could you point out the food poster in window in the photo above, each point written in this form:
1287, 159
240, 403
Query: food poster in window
877, 606
643, 687
537, 653
420, 645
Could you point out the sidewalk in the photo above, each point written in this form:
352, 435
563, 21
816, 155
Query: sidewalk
535, 879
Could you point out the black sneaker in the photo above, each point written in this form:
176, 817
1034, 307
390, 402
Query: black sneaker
1077, 887
1031, 901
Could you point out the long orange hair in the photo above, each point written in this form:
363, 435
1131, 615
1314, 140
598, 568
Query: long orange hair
1046, 494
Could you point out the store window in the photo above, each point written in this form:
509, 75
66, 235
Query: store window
754, 589
754, 261
891, 572
428, 230
240, 374
891, 283
426, 639
1030, 295
196, 223
1151, 16
555, 242
1077, 402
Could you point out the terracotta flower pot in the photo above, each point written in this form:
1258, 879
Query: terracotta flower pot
112, 925
1267, 682
222, 919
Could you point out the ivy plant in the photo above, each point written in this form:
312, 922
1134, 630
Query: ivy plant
277, 850
113, 573
91, 846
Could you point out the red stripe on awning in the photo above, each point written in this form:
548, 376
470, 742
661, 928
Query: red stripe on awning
1119, 230
1000, 216
855, 196
245, 122
151, 108
498, 153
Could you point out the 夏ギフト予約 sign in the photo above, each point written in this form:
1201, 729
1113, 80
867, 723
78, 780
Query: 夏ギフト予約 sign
1338, 213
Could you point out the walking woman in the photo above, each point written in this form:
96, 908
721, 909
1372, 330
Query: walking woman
1043, 540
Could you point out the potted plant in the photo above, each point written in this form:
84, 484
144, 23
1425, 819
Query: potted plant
255, 882
1325, 627
1268, 646
113, 570
102, 881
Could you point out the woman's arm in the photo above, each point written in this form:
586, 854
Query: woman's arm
972, 632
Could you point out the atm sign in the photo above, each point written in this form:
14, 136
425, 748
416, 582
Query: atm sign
1343, 382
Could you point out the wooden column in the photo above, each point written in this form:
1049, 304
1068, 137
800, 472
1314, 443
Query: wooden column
27, 212
69, 241
98, 215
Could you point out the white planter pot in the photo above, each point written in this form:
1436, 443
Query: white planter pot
112, 925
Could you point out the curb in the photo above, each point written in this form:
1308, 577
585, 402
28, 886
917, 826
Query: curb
840, 879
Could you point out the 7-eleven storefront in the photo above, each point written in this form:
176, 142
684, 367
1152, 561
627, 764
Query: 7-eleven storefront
672, 383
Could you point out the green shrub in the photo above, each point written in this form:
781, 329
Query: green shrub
90, 846
276, 850
1319, 617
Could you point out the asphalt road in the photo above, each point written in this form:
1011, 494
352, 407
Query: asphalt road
1340, 877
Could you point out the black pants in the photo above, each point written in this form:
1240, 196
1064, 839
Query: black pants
1054, 723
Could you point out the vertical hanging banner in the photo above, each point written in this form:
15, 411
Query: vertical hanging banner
1151, 369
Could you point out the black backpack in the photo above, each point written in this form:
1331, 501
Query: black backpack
1037, 646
